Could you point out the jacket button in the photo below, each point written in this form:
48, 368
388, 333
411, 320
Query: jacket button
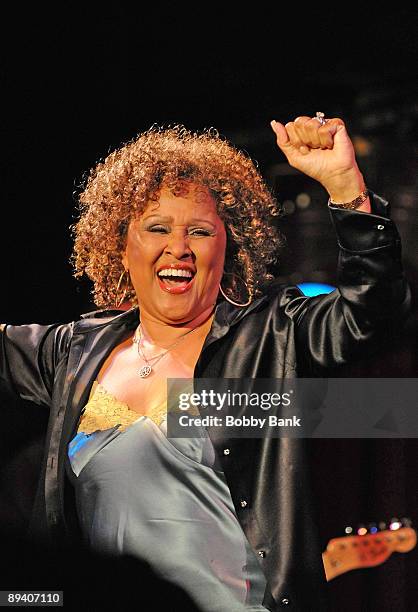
380, 227
285, 601
226, 451
262, 553
243, 503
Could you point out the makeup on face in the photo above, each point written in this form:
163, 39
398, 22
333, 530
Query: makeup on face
175, 254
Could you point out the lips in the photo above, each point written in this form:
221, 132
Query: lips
179, 287
175, 278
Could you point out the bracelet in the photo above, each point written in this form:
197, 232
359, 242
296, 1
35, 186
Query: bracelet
358, 201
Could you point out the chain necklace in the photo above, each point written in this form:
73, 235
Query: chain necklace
146, 369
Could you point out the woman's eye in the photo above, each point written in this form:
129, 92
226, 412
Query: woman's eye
200, 232
157, 228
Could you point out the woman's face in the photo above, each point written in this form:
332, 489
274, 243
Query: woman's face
175, 255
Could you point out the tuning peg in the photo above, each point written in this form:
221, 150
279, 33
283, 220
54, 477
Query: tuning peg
348, 530
382, 526
406, 522
394, 524
373, 528
361, 530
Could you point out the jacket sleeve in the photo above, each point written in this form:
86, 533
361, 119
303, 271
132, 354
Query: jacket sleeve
29, 356
372, 297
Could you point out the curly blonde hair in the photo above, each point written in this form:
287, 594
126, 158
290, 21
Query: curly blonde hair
120, 187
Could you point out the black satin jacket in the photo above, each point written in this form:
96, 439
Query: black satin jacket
281, 334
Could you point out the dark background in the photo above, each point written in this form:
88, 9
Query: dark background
77, 84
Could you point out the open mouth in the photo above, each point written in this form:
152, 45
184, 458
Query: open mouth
175, 281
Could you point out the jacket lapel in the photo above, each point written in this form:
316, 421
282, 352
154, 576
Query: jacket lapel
97, 340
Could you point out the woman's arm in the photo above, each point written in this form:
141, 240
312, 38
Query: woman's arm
29, 355
372, 298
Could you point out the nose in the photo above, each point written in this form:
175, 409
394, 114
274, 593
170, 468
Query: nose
178, 244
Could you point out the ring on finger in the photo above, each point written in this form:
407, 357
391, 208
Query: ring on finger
321, 118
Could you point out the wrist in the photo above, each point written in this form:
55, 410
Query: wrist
346, 187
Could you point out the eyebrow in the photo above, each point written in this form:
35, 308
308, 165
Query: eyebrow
194, 220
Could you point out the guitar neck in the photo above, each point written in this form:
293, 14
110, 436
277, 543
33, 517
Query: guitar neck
354, 552
334, 568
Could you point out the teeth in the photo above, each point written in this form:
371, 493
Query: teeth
174, 272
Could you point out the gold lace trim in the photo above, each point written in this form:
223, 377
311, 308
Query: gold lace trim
103, 411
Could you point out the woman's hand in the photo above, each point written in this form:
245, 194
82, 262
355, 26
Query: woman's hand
323, 152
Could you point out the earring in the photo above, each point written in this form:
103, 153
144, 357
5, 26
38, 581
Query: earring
125, 291
232, 301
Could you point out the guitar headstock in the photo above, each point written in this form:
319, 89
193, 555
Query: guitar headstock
368, 546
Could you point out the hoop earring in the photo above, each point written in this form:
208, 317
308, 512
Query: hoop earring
232, 301
125, 291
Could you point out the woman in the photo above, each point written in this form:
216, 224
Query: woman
177, 223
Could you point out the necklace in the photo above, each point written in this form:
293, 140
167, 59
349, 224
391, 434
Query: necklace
146, 369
